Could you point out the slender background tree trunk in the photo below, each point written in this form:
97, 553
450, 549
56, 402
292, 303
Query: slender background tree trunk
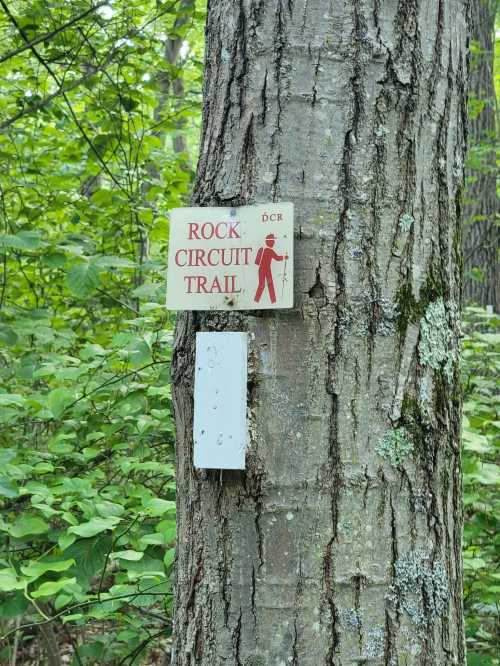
481, 231
340, 544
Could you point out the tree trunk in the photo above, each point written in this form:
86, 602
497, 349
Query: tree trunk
481, 233
340, 543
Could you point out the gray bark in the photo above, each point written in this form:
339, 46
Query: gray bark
340, 543
481, 231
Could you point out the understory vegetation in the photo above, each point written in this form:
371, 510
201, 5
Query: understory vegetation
99, 127
481, 473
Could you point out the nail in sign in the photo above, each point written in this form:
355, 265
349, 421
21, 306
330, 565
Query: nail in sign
231, 258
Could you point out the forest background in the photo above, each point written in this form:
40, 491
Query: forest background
99, 127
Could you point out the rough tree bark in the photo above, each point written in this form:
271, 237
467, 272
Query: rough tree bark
481, 232
340, 544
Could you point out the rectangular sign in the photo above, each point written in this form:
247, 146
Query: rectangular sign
231, 258
220, 401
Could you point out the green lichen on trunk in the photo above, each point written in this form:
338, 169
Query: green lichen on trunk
437, 348
350, 619
395, 446
420, 588
406, 222
375, 642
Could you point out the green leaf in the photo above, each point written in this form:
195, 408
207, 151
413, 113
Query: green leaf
489, 474
72, 618
43, 468
60, 445
8, 335
6, 455
38, 568
52, 587
24, 240
102, 197
8, 488
157, 507
90, 555
475, 442
13, 605
130, 404
90, 452
94, 526
114, 262
82, 279
26, 525
167, 529
58, 400
65, 540
54, 259
11, 399
169, 558
9, 581
155, 539
131, 555
106, 508
474, 563
478, 659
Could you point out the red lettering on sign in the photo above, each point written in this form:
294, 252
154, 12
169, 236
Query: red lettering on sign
245, 251
221, 230
177, 257
207, 230
215, 286
216, 256
212, 262
233, 232
200, 258
193, 231
188, 279
227, 257
231, 279
199, 282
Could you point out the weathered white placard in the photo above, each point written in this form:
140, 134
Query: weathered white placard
220, 398
231, 258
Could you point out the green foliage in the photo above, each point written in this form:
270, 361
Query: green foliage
481, 444
96, 146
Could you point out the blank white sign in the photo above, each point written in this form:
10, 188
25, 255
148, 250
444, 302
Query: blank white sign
220, 401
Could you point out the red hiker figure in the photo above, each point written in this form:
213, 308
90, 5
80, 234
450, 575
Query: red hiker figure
265, 256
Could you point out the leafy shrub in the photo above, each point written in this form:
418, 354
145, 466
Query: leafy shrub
481, 474
87, 493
